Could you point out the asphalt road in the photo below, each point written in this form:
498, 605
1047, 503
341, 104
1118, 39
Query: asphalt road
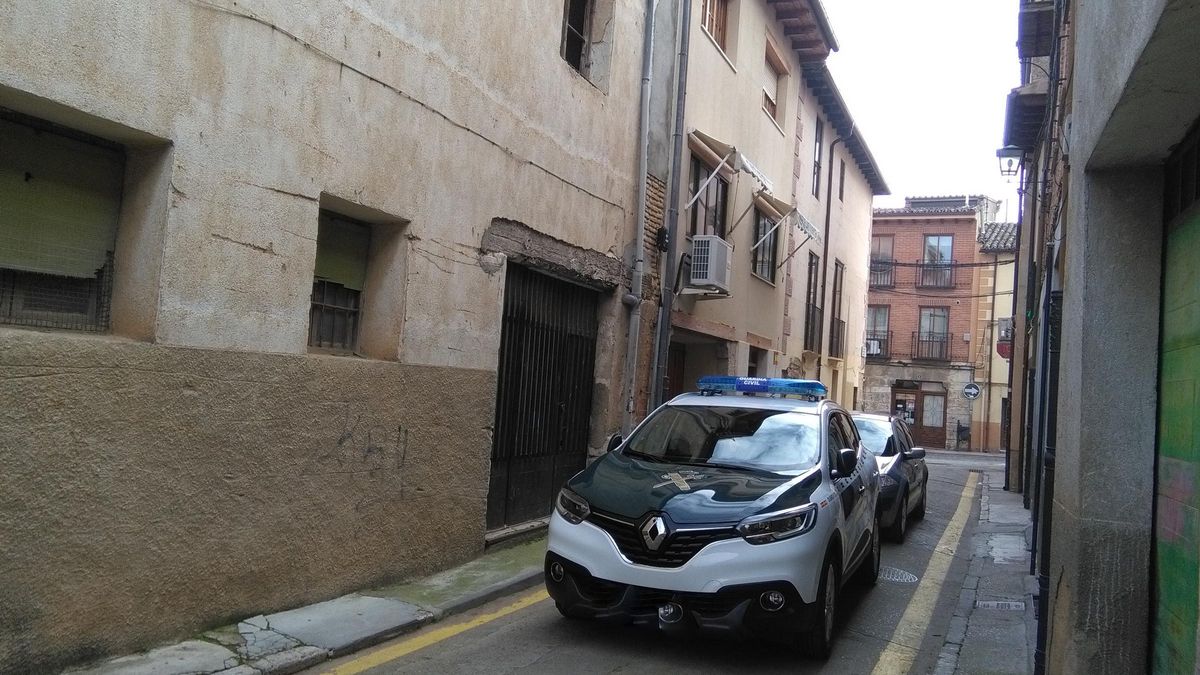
893, 627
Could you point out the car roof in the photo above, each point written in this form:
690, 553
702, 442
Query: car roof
741, 401
872, 416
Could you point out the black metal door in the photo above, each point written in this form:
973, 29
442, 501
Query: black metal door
544, 394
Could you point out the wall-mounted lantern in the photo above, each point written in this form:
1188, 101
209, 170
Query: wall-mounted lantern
1010, 160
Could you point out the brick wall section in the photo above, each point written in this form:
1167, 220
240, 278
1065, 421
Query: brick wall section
656, 203
908, 235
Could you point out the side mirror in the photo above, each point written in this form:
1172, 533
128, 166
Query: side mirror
915, 453
614, 442
847, 460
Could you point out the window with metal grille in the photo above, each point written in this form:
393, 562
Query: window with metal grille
60, 198
577, 19
343, 246
708, 213
763, 257
714, 14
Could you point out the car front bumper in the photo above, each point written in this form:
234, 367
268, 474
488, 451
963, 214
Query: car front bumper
719, 588
734, 611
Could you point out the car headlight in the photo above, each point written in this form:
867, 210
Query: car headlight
886, 481
571, 506
768, 527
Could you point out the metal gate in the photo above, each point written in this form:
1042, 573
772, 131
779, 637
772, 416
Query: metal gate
544, 394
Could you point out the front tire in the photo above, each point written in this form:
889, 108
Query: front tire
870, 569
899, 529
819, 640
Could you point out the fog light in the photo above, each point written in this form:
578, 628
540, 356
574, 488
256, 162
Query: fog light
670, 612
772, 601
556, 571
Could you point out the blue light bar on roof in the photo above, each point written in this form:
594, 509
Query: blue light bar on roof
762, 385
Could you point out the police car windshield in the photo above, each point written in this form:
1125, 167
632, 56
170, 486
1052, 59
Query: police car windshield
874, 434
769, 440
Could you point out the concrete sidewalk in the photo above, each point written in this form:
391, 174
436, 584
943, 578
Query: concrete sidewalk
994, 629
289, 641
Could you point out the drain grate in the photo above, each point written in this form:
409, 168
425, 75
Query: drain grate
897, 575
1000, 604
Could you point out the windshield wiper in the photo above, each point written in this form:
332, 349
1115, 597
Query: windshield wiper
643, 456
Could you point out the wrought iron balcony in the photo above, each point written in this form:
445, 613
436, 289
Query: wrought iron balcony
935, 274
879, 345
930, 346
812, 328
837, 339
883, 273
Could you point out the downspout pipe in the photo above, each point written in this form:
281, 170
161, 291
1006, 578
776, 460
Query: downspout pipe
825, 251
633, 299
670, 257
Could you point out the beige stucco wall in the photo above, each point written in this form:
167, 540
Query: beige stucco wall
199, 465
150, 491
725, 102
402, 108
994, 285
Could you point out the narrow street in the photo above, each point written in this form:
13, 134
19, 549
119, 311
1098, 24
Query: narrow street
898, 626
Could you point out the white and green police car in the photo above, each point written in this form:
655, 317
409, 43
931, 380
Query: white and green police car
722, 512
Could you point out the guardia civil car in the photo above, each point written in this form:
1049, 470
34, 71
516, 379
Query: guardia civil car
734, 510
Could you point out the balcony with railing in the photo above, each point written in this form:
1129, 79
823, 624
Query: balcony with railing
930, 346
883, 273
812, 328
837, 339
935, 274
879, 345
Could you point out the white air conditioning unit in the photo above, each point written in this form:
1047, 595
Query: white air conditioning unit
874, 348
712, 262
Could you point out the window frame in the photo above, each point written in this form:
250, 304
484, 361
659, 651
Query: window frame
584, 34
700, 171
714, 21
318, 309
818, 155
925, 249
921, 314
842, 182
887, 318
766, 255
773, 101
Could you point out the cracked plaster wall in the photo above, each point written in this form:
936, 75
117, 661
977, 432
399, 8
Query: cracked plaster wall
152, 491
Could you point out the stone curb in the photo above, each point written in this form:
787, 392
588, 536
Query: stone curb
305, 656
523, 580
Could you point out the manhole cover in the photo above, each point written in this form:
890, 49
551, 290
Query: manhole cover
1000, 604
897, 575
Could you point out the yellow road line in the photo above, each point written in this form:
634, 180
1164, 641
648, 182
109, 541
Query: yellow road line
393, 652
906, 639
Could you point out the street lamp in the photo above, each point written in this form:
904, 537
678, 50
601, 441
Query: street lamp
1010, 159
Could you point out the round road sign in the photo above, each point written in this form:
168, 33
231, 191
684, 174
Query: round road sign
971, 391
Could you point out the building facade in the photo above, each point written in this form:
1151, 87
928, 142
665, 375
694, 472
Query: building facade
1102, 134
280, 291
774, 210
994, 274
923, 332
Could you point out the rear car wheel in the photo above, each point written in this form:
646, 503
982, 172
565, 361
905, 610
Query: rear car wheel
819, 640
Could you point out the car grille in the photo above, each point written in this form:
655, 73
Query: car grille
678, 548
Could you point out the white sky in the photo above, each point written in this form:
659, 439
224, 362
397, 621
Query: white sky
926, 82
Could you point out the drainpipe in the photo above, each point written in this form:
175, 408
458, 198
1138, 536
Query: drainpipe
633, 299
825, 250
668, 277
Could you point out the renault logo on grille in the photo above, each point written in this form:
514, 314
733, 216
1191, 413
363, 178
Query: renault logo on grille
654, 532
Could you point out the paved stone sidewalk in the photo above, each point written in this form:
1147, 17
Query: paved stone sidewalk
994, 629
290, 641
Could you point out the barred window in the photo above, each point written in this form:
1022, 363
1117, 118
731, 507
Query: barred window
60, 198
343, 246
763, 257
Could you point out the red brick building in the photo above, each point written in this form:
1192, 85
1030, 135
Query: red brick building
920, 317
